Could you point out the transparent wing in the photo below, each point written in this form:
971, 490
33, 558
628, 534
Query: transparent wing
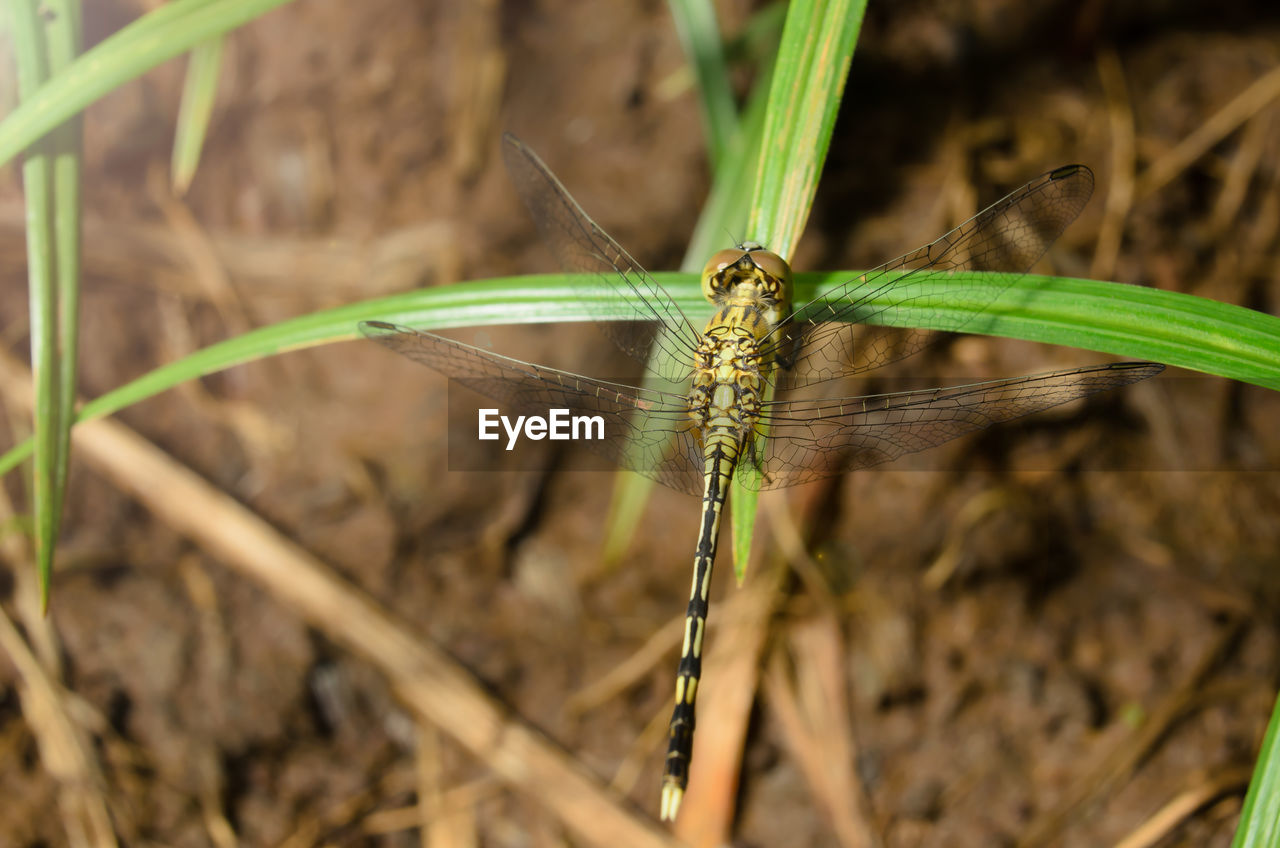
812, 439
827, 338
645, 431
641, 318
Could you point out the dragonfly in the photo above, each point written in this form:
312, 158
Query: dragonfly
743, 407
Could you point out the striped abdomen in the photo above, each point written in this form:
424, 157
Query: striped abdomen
722, 455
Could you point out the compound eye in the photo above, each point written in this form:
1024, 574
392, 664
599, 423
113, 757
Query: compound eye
714, 266
772, 264
721, 260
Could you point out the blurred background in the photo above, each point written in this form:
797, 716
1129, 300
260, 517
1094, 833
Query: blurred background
1060, 629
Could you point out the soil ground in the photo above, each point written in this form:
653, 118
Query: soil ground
1043, 635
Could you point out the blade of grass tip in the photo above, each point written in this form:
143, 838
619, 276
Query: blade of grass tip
630, 497
62, 30
1260, 817
723, 213
199, 90
699, 34
37, 182
818, 40
155, 37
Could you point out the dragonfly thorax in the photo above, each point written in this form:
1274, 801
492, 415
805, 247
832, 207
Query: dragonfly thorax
725, 396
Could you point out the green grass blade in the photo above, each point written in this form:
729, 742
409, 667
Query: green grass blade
511, 300
700, 37
818, 39
56, 85
169, 31
37, 178
1260, 817
1178, 329
62, 31
199, 90
630, 497
1123, 320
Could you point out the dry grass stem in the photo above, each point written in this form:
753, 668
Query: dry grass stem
1120, 191
731, 675
64, 751
813, 709
1184, 805
630, 671
1221, 124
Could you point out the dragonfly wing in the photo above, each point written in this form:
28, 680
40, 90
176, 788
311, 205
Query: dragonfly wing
646, 431
812, 439
1009, 236
640, 316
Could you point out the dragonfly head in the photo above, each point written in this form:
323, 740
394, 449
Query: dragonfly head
747, 271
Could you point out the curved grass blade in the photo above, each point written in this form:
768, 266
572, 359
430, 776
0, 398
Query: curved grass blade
512, 300
1177, 329
1125, 320
725, 212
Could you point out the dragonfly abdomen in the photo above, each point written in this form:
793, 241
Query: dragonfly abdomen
722, 450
